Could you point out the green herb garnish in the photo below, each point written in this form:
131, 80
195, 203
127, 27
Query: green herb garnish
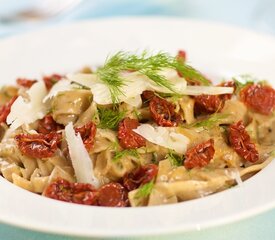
124, 153
110, 118
212, 121
145, 190
150, 66
175, 159
242, 81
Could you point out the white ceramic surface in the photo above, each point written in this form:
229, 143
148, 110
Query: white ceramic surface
220, 51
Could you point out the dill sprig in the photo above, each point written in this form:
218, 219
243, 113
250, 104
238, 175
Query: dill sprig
110, 118
175, 159
145, 190
212, 121
124, 153
150, 66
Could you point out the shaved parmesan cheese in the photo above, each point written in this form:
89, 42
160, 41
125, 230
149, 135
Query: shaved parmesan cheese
25, 112
134, 101
82, 164
60, 86
211, 90
235, 174
164, 136
135, 84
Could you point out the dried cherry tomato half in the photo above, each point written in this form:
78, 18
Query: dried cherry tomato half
38, 145
5, 110
24, 82
181, 56
163, 112
147, 95
127, 137
241, 143
81, 193
112, 195
208, 104
87, 133
47, 125
200, 155
259, 98
227, 84
51, 80
139, 176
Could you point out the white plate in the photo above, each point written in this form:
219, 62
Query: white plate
219, 50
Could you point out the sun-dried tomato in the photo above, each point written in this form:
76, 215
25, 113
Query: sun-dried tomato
200, 155
241, 143
163, 112
24, 82
208, 104
127, 137
147, 95
51, 80
47, 125
259, 98
181, 56
5, 110
38, 145
87, 133
112, 195
139, 176
81, 193
227, 84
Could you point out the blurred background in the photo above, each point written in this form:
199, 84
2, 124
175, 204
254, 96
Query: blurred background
25, 15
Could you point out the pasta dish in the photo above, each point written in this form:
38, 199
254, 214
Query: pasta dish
140, 130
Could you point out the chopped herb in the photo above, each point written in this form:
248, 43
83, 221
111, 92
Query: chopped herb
242, 81
110, 118
175, 159
150, 66
212, 121
137, 113
124, 153
145, 190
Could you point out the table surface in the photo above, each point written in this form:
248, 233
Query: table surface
254, 14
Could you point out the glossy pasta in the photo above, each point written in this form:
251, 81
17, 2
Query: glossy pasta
152, 130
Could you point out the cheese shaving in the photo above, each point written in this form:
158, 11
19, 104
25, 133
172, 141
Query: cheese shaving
81, 161
164, 136
25, 112
211, 90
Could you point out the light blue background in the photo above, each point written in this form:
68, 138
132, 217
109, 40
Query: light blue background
254, 14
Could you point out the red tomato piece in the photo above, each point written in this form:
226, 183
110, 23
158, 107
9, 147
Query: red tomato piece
127, 137
51, 80
47, 125
200, 155
163, 112
241, 143
87, 133
81, 193
24, 82
227, 84
112, 195
147, 95
259, 98
208, 104
5, 110
38, 145
140, 176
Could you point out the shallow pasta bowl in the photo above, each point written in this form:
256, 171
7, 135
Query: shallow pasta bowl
219, 51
